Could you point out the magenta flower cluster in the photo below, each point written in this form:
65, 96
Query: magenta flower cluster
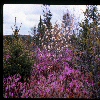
52, 77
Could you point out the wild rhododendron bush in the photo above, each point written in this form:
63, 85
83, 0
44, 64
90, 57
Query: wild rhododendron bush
52, 77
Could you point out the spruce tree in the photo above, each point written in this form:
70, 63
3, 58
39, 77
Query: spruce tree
18, 61
47, 16
88, 43
40, 33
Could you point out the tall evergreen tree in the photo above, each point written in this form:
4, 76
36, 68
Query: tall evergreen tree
88, 42
41, 27
47, 16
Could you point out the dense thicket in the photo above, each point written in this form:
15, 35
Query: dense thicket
58, 62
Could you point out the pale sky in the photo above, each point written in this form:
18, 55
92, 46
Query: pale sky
29, 15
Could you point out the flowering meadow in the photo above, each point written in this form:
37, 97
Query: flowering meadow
57, 67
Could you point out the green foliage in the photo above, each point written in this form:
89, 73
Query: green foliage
89, 41
47, 17
41, 27
19, 61
89, 30
41, 32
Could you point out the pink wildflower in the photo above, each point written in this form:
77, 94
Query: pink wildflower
7, 57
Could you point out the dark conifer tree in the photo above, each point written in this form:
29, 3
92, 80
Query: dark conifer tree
89, 39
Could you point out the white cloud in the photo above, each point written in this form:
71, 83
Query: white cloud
29, 15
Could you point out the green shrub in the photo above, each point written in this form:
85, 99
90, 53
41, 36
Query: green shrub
19, 61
